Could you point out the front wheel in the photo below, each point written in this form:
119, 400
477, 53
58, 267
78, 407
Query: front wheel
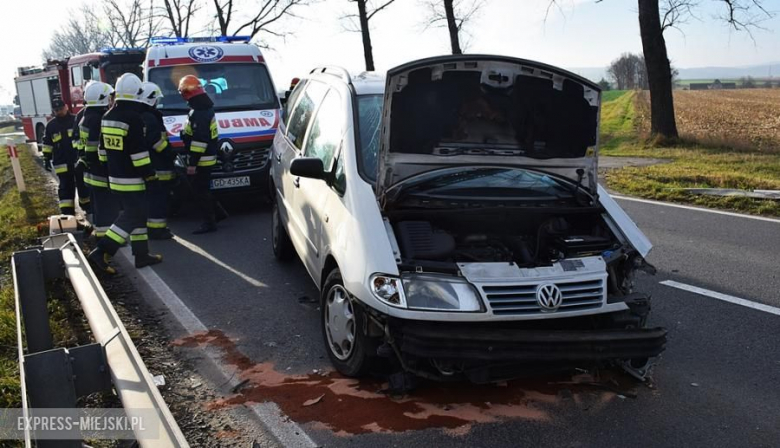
349, 349
280, 240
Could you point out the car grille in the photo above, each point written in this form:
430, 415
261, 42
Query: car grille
521, 299
241, 160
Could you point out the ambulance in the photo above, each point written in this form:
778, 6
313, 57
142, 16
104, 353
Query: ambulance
236, 77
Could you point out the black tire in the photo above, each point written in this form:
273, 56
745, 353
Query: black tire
360, 358
280, 240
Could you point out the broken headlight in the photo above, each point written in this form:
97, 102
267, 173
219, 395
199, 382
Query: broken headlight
388, 289
440, 293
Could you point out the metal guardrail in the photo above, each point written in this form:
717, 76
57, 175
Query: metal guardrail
54, 378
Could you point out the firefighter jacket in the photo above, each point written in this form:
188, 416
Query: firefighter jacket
122, 139
96, 174
58, 144
156, 142
77, 134
200, 133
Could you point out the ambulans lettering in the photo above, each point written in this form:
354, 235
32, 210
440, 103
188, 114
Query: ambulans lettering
245, 125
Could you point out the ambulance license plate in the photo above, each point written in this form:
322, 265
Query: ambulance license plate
229, 182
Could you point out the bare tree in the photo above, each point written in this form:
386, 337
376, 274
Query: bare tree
131, 23
265, 15
628, 71
80, 34
454, 15
178, 14
360, 23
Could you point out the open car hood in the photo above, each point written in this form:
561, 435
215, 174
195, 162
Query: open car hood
477, 110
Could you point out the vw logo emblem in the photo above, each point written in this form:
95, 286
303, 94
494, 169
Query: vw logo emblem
549, 297
226, 149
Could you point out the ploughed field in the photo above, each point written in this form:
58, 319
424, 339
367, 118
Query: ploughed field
742, 119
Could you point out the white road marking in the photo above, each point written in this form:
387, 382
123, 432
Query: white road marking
699, 209
286, 431
198, 250
723, 297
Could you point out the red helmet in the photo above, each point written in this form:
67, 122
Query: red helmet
190, 86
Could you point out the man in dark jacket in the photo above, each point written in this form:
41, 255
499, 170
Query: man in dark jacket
200, 138
105, 206
58, 150
162, 155
85, 201
129, 169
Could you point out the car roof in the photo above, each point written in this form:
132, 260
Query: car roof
182, 51
365, 83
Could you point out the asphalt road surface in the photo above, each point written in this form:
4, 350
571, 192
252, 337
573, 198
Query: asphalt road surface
718, 383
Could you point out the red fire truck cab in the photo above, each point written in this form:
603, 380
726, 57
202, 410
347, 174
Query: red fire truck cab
65, 79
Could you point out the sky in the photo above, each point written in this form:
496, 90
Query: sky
582, 33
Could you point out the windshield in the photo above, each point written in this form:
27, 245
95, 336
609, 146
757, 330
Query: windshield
115, 70
230, 86
369, 116
488, 183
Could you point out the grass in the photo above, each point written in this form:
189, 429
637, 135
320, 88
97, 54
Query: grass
21, 219
611, 95
692, 164
7, 130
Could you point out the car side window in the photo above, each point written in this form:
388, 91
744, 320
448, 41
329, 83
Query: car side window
301, 115
326, 131
287, 111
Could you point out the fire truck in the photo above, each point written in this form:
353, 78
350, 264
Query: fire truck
65, 79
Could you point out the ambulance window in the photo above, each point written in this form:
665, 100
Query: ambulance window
301, 115
325, 135
75, 75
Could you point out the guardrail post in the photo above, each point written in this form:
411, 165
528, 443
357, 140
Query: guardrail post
32, 293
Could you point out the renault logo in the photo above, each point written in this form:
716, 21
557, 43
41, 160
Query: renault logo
226, 149
549, 297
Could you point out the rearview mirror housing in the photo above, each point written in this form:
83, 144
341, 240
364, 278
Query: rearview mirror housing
310, 167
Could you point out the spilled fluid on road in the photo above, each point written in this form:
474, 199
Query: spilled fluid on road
348, 406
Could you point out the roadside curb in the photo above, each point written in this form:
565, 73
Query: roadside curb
157, 293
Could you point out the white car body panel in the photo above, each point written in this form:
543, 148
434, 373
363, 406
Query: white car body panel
626, 225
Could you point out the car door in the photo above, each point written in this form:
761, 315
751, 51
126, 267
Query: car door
300, 120
323, 141
279, 150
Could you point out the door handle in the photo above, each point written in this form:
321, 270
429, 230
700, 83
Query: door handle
278, 156
297, 182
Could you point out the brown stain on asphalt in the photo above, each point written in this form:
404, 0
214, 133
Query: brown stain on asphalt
349, 406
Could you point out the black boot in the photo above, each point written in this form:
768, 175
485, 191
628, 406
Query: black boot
147, 259
99, 260
160, 234
220, 214
205, 228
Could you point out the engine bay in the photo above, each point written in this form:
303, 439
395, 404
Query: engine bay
527, 240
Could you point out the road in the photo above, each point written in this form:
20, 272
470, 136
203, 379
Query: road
716, 385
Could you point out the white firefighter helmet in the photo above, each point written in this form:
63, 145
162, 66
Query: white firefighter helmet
97, 94
151, 93
128, 88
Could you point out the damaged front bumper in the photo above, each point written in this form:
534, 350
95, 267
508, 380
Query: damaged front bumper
487, 352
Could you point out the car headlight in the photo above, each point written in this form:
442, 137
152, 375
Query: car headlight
388, 289
440, 293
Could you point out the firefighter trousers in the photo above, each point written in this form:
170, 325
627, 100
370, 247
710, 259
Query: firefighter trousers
69, 182
105, 209
201, 185
157, 194
129, 225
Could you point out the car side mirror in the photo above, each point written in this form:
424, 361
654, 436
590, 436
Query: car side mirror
310, 167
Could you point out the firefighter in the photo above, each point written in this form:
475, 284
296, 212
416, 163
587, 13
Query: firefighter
85, 201
105, 206
59, 153
200, 142
162, 155
129, 169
